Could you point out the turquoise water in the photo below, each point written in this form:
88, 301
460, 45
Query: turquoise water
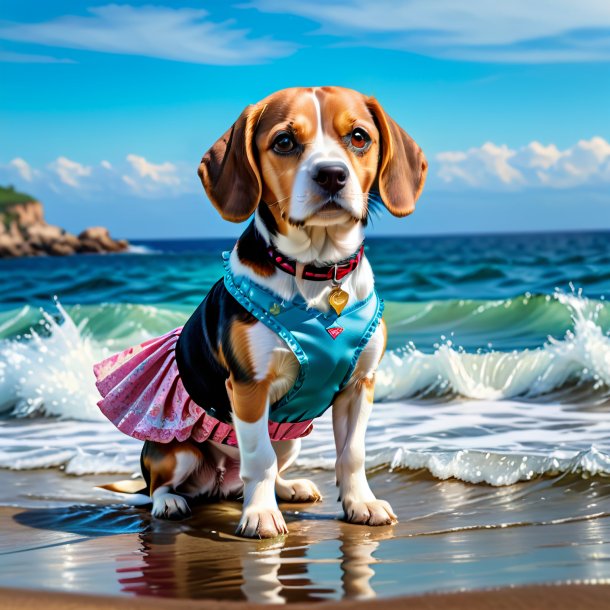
490, 433
433, 285
498, 349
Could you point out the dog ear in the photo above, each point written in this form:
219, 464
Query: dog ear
229, 170
402, 166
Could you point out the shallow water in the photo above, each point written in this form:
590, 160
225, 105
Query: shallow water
451, 536
490, 434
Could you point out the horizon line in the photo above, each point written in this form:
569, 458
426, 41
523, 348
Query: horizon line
399, 235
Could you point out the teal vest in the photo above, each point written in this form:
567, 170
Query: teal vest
326, 345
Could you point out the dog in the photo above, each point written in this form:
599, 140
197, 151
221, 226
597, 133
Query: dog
309, 164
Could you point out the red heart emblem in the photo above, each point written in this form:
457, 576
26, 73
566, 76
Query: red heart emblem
334, 331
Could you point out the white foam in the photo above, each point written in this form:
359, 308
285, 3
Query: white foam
77, 447
486, 441
140, 249
582, 356
490, 438
51, 371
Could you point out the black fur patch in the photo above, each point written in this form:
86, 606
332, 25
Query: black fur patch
203, 334
268, 219
252, 252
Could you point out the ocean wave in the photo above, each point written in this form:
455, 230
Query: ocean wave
528, 413
493, 468
142, 249
48, 370
94, 448
76, 447
46, 363
580, 359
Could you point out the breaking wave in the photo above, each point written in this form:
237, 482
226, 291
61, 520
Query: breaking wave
486, 414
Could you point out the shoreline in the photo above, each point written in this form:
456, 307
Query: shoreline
451, 537
538, 597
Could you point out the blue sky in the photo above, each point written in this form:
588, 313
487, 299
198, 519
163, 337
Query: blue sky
107, 108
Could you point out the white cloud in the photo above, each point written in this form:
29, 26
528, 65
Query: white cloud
490, 167
24, 169
133, 176
27, 58
534, 165
70, 172
479, 166
475, 30
536, 154
178, 34
163, 173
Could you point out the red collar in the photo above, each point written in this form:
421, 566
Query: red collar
312, 272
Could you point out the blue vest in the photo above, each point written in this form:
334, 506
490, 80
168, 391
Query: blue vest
326, 345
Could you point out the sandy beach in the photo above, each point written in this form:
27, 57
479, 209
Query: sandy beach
555, 597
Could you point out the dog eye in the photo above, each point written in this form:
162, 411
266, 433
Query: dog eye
284, 143
359, 138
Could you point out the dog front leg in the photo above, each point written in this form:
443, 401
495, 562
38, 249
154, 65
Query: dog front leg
261, 517
351, 413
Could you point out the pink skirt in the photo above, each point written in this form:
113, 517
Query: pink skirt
144, 397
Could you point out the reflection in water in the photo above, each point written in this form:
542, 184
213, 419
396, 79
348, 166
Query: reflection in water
201, 561
451, 536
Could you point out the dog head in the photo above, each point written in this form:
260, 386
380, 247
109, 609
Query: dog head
313, 156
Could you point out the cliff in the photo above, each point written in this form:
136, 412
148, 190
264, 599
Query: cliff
24, 231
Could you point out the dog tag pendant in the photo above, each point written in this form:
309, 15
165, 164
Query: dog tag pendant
337, 299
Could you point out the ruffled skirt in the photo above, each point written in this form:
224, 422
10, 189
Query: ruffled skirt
144, 397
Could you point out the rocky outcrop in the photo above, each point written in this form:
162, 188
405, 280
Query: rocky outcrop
24, 232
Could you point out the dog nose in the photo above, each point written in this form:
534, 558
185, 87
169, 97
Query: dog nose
331, 177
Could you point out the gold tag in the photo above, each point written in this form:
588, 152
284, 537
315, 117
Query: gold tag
337, 299
275, 309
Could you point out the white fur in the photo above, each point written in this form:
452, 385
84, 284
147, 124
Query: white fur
324, 149
322, 244
325, 240
358, 284
351, 412
186, 464
261, 516
272, 353
167, 505
172, 506
292, 490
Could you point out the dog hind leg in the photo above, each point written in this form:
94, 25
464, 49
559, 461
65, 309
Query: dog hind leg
292, 490
166, 466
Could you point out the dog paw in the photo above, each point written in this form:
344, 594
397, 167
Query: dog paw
376, 512
261, 523
297, 490
170, 506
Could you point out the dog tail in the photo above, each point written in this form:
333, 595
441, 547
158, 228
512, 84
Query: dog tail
130, 491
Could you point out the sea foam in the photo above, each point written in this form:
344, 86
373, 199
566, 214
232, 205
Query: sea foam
582, 357
493, 417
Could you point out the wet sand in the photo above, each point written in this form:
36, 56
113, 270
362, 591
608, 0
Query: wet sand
62, 535
550, 597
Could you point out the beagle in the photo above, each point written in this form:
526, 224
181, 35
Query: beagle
295, 325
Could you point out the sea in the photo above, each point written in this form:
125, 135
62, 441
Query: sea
490, 432
497, 368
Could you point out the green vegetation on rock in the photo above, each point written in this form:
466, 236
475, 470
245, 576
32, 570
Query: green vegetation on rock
9, 196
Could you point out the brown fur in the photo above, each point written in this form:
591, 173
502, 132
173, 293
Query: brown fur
403, 168
240, 346
249, 399
159, 462
241, 169
368, 384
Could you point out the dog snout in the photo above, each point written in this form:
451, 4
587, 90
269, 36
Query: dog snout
332, 177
